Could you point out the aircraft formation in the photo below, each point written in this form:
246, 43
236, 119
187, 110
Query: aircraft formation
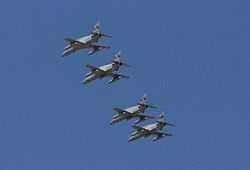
111, 70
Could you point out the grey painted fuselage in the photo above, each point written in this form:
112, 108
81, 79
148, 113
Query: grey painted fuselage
128, 114
86, 42
150, 129
104, 71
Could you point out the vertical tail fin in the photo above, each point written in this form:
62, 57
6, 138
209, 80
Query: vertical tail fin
96, 28
161, 118
143, 100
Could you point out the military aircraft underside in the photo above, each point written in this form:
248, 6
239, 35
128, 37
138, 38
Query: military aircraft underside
135, 112
86, 42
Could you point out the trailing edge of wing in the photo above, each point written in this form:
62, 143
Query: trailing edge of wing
163, 134
116, 77
118, 110
93, 68
152, 106
160, 135
96, 48
138, 128
119, 76
146, 116
70, 40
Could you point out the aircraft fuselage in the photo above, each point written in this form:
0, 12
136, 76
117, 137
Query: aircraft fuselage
128, 114
150, 129
86, 42
97, 74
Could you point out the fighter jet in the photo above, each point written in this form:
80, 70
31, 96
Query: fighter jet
133, 112
108, 70
151, 130
87, 41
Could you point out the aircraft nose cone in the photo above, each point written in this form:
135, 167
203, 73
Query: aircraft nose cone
85, 81
130, 139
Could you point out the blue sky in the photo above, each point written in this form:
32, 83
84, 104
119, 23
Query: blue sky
190, 57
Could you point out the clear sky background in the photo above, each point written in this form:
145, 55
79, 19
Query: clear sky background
192, 58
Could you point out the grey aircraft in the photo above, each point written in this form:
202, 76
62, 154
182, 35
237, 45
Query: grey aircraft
87, 41
108, 70
133, 112
151, 130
